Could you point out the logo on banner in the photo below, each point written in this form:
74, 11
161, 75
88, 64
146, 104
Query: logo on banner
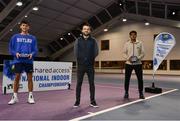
164, 42
8, 69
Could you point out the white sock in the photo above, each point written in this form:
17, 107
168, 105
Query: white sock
30, 93
15, 95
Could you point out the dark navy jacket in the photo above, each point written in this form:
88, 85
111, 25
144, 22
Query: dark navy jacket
85, 51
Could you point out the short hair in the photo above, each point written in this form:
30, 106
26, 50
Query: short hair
86, 24
24, 22
132, 32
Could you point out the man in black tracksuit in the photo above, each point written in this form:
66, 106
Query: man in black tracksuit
85, 50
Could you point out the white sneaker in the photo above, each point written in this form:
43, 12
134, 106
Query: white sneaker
13, 100
31, 99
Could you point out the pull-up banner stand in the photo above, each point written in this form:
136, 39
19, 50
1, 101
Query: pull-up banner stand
163, 44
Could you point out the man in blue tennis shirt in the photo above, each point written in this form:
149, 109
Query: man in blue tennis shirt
23, 47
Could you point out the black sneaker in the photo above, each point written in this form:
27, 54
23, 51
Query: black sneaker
141, 96
126, 96
76, 104
93, 104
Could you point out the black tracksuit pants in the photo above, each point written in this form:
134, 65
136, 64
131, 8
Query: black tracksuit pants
138, 72
81, 70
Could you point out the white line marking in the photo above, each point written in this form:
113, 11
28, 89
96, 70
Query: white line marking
90, 112
119, 106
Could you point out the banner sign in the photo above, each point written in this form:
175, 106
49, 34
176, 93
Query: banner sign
46, 76
163, 44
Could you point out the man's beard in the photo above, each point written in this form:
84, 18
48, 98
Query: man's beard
85, 34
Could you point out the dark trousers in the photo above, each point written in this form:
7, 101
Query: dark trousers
138, 72
81, 70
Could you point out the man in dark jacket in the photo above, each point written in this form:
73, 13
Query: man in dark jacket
85, 50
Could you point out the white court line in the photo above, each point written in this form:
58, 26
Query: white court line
119, 106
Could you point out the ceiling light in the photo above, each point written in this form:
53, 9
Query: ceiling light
105, 30
124, 19
147, 23
19, 3
120, 2
61, 38
25, 16
69, 34
173, 13
35, 8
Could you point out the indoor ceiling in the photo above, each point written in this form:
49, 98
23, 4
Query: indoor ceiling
57, 22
